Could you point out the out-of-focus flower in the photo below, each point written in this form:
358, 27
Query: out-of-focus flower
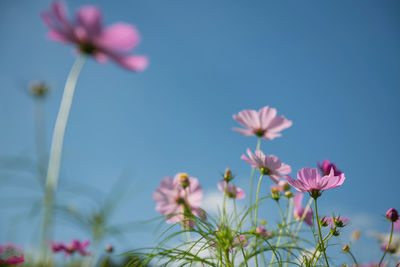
310, 180
240, 241
262, 123
391, 249
355, 235
9, 254
283, 186
176, 202
396, 226
90, 37
394, 245
109, 248
261, 231
231, 190
74, 247
326, 167
299, 210
268, 165
38, 89
346, 248
392, 215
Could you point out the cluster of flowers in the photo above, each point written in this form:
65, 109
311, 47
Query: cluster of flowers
75, 246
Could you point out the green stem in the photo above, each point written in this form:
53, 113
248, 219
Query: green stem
319, 233
53, 168
280, 230
252, 175
354, 258
388, 245
257, 198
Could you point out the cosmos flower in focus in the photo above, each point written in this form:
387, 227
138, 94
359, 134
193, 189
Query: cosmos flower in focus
231, 190
310, 180
326, 167
262, 123
9, 255
179, 197
268, 165
90, 37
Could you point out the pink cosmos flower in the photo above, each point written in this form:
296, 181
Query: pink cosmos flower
9, 255
239, 241
231, 190
176, 201
74, 246
90, 37
262, 123
326, 167
310, 180
268, 165
299, 210
260, 230
338, 221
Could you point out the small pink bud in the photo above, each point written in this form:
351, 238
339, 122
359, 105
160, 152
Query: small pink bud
392, 215
109, 248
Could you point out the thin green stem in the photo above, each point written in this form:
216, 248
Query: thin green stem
53, 168
388, 245
354, 258
257, 198
319, 233
280, 230
252, 175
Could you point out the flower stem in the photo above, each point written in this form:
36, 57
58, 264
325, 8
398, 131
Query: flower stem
257, 198
53, 168
388, 245
252, 175
321, 242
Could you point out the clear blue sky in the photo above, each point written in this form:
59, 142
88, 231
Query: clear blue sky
332, 67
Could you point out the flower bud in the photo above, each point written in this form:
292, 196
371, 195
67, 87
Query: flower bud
283, 186
109, 248
184, 180
38, 89
392, 215
228, 175
275, 196
288, 194
274, 190
346, 248
324, 221
335, 232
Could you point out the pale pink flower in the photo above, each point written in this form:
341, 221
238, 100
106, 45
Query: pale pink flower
89, 35
74, 247
9, 255
299, 210
260, 230
175, 201
239, 241
231, 190
268, 165
262, 123
310, 180
326, 167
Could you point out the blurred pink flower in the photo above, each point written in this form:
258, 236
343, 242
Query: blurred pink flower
268, 165
231, 190
9, 254
299, 210
91, 37
310, 180
338, 221
239, 241
262, 123
175, 202
260, 230
74, 246
326, 167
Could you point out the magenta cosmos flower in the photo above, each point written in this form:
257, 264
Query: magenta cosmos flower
392, 215
326, 167
74, 247
231, 190
179, 196
310, 180
261, 231
90, 37
299, 210
268, 165
9, 255
262, 123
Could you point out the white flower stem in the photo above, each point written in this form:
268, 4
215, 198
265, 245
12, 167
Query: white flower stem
53, 168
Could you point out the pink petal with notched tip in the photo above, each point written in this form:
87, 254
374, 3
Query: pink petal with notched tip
89, 18
119, 37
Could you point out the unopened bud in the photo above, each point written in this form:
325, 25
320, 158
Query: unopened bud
392, 215
346, 248
274, 189
184, 180
324, 221
109, 248
355, 235
288, 194
275, 196
335, 232
228, 175
38, 89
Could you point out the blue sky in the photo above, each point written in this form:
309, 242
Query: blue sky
330, 67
